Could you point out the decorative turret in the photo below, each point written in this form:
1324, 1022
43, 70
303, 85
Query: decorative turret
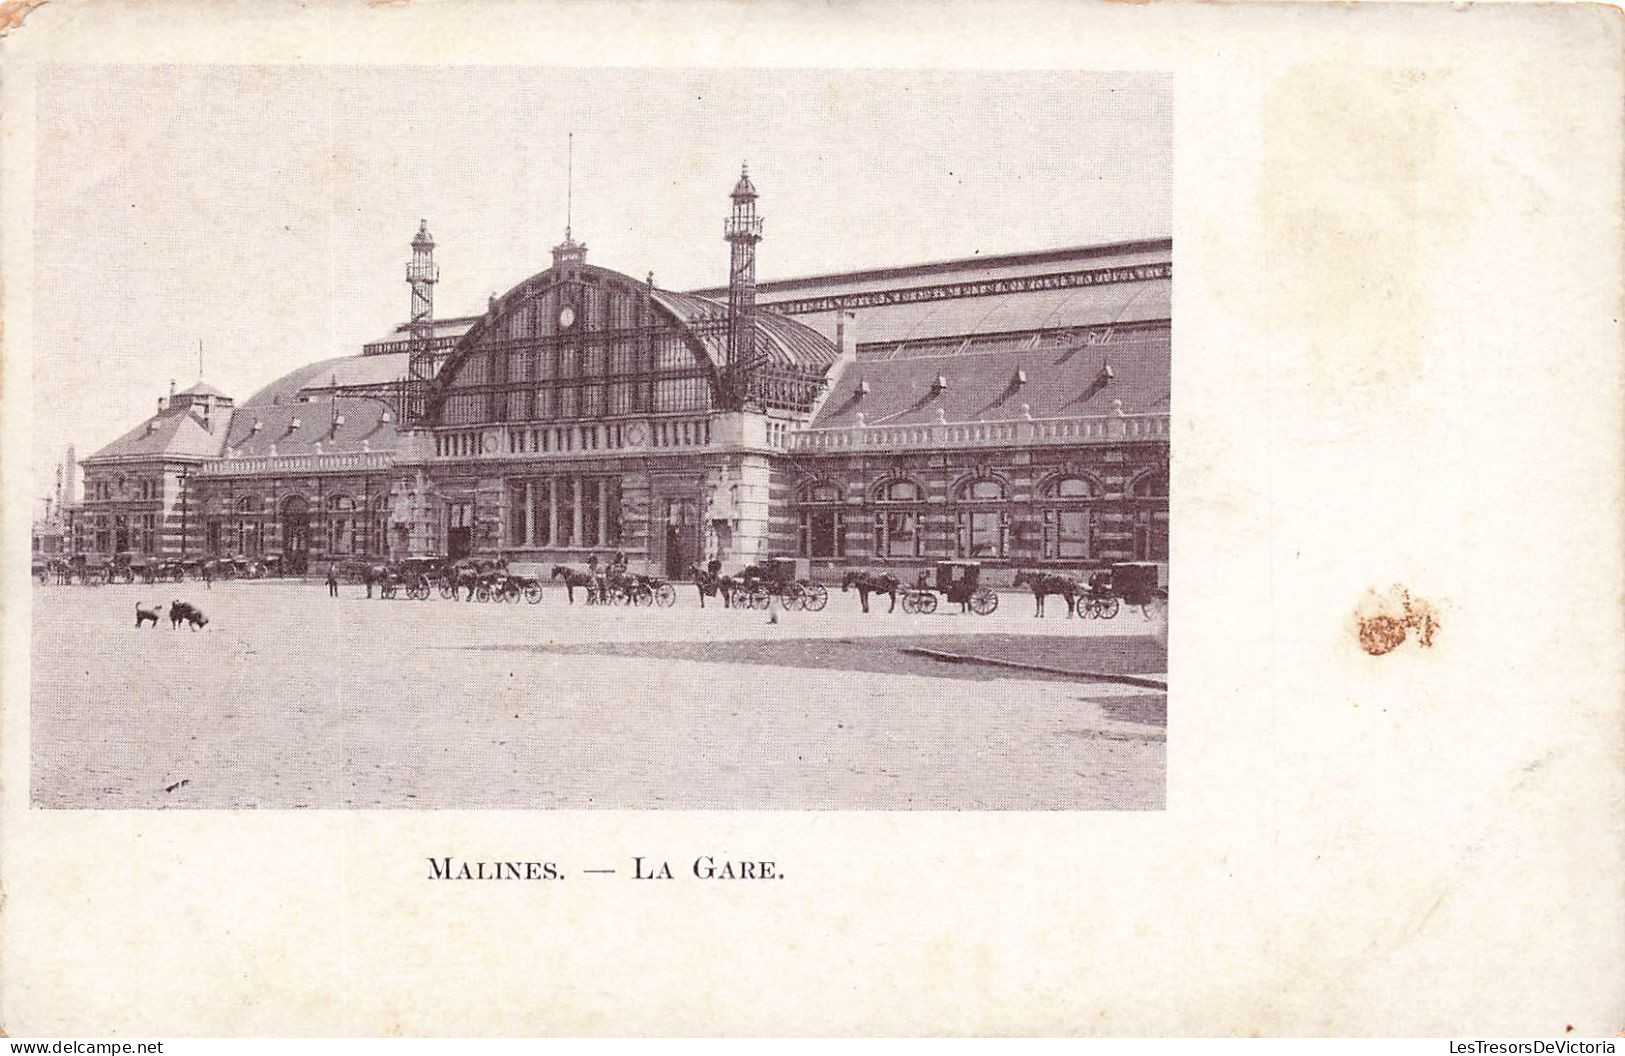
569, 252
742, 231
421, 275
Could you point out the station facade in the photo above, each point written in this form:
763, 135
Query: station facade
1010, 409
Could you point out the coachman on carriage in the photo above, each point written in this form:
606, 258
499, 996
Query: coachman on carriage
959, 582
776, 577
1129, 583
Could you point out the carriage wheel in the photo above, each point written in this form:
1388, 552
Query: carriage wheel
482, 593
815, 596
790, 597
911, 602
984, 601
642, 596
928, 603
760, 598
511, 594
1109, 608
665, 596
533, 593
739, 598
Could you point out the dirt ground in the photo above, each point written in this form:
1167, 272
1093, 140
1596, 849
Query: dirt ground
291, 699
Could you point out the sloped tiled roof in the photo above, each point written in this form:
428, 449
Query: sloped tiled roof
175, 434
341, 370
203, 388
275, 407
1124, 302
1062, 380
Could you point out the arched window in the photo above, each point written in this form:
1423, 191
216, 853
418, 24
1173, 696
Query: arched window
1150, 493
898, 531
1151, 486
344, 528
981, 491
248, 534
822, 528
982, 520
1069, 518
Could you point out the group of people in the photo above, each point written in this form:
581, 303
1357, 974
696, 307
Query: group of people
604, 573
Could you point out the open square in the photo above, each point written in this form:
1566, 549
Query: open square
291, 699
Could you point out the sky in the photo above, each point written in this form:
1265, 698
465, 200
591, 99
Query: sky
266, 211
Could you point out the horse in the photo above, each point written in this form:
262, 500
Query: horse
573, 578
869, 583
376, 575
710, 584
1044, 584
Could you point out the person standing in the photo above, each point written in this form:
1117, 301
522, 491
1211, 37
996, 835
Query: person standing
332, 582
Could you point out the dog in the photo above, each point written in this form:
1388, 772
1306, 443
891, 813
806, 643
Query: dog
146, 616
181, 612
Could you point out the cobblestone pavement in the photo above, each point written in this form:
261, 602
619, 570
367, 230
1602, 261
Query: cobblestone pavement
289, 699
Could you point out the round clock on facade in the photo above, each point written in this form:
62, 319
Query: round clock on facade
567, 317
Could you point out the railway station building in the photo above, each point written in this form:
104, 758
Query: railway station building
1010, 409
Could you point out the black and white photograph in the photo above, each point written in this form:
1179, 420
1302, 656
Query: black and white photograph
717, 520
627, 439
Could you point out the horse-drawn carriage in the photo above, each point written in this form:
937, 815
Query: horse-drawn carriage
92, 569
411, 578
503, 585
755, 586
959, 582
758, 585
621, 587
1132, 583
127, 568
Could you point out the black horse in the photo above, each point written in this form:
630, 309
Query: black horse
1044, 584
573, 578
869, 583
710, 582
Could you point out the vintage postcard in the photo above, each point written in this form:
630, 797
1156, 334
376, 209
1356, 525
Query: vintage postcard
761, 519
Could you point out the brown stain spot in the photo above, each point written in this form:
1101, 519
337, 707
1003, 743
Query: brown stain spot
1386, 620
12, 13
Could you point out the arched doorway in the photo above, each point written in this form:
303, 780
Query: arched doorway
682, 530
295, 534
